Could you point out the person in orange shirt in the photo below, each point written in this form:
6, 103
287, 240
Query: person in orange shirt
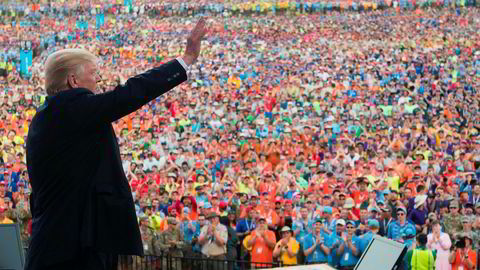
268, 185
463, 257
262, 242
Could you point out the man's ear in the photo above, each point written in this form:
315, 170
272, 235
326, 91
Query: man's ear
72, 81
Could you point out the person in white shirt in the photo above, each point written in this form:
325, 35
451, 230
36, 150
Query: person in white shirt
150, 162
440, 241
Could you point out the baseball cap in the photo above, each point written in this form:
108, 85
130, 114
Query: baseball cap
207, 205
351, 222
349, 203
402, 208
340, 222
373, 223
466, 219
454, 204
212, 215
222, 205
285, 229
468, 235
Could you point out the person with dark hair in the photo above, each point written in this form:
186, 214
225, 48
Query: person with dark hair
420, 258
462, 255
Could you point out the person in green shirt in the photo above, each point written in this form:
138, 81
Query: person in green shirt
420, 258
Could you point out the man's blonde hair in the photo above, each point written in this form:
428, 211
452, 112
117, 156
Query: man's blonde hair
62, 63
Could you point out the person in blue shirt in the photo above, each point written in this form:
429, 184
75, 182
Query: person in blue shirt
373, 228
246, 225
335, 238
201, 221
201, 197
349, 249
330, 221
401, 230
316, 245
190, 228
302, 226
195, 125
289, 194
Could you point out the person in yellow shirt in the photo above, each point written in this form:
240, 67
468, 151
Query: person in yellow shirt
287, 248
3, 218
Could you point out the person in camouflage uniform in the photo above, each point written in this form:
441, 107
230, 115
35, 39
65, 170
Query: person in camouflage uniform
170, 244
467, 228
148, 238
22, 215
452, 220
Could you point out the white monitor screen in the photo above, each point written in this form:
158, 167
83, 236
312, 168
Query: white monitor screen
381, 253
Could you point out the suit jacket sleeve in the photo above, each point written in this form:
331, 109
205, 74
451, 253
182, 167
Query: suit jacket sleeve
89, 109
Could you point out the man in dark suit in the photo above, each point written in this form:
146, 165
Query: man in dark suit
384, 220
81, 202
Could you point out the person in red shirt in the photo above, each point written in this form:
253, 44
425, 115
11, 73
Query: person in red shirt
288, 210
362, 193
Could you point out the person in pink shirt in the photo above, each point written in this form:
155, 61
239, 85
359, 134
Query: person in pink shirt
440, 241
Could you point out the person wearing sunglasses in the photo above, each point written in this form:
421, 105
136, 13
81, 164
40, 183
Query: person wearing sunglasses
335, 238
401, 230
349, 249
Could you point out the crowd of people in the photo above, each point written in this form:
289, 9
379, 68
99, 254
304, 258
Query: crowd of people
297, 138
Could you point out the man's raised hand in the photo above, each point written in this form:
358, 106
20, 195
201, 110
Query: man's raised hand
194, 42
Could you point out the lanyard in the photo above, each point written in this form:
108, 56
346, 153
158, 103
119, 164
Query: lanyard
250, 226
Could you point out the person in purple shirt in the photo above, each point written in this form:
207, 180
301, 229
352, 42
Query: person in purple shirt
419, 213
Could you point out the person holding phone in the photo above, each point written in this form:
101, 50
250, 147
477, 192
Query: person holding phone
462, 256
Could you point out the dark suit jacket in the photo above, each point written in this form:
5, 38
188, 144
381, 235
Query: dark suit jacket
80, 195
383, 226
